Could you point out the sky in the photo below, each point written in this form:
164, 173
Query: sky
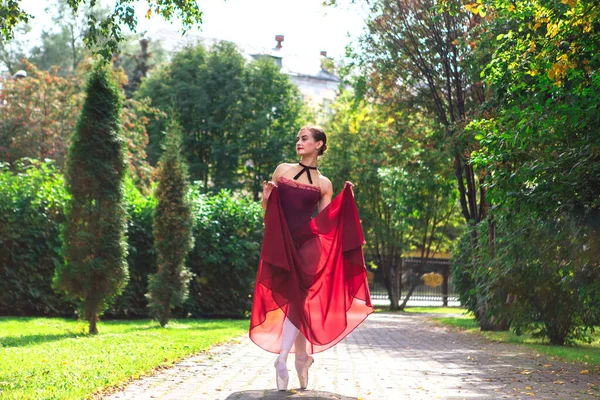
307, 25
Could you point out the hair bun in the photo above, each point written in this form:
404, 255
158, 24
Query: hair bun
323, 149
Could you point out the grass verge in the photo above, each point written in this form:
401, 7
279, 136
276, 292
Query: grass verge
54, 358
583, 353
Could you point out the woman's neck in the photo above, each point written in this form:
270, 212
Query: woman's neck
309, 161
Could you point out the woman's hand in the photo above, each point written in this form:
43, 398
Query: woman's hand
267, 189
350, 183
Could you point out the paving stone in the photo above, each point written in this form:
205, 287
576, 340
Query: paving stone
390, 356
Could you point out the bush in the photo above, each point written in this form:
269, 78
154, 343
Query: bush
32, 199
173, 239
94, 244
548, 268
228, 234
141, 257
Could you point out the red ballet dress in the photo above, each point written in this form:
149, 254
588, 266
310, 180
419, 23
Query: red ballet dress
311, 269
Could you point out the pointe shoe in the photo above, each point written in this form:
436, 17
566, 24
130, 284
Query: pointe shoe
282, 382
302, 369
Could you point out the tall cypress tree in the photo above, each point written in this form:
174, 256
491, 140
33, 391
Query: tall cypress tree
172, 229
94, 246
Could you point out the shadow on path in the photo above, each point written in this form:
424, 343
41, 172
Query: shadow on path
275, 394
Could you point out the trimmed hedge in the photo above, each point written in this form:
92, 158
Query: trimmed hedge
228, 235
32, 200
228, 231
141, 257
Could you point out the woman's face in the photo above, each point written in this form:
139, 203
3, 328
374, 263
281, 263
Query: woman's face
305, 143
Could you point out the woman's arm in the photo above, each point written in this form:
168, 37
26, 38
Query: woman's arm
326, 193
268, 186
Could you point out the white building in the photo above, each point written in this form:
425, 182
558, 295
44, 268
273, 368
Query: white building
319, 88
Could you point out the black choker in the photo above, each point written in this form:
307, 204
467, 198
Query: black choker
305, 168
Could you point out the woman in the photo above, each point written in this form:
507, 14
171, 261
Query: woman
311, 287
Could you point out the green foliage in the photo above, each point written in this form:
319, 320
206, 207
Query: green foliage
238, 119
360, 143
540, 150
540, 138
227, 231
173, 239
104, 33
94, 232
228, 234
32, 202
141, 254
61, 45
273, 112
548, 269
463, 271
404, 183
32, 198
11, 15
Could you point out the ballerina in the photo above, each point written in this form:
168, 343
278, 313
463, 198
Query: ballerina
311, 287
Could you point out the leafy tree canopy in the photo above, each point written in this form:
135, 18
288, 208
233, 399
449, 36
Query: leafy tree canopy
105, 34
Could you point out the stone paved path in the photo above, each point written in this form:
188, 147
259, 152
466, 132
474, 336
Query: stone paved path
390, 356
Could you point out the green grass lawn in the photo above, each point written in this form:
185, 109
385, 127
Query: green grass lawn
582, 352
53, 358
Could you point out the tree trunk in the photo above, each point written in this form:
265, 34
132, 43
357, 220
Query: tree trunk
392, 280
393, 292
407, 297
164, 318
93, 316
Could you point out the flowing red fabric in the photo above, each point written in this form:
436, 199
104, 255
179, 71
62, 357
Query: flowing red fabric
311, 270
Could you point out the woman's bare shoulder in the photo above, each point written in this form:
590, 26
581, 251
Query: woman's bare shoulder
325, 183
281, 169
284, 166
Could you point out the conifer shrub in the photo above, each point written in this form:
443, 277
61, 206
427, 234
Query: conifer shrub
94, 245
173, 238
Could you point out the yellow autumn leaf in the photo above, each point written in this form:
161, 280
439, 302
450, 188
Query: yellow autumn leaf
552, 29
570, 3
149, 13
585, 372
472, 8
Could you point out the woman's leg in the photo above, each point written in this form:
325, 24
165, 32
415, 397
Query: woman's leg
288, 337
300, 347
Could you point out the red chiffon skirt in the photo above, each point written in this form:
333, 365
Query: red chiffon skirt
315, 276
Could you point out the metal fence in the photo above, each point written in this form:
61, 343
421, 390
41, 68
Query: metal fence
423, 295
